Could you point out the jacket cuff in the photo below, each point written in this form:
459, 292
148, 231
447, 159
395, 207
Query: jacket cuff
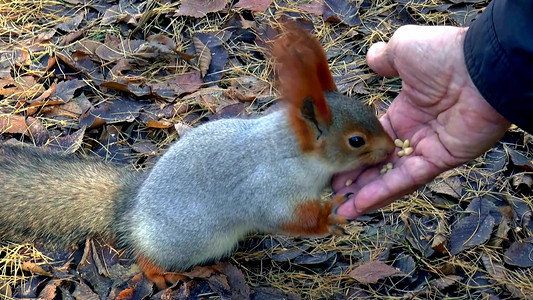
500, 61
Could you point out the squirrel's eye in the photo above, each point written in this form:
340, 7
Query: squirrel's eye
356, 141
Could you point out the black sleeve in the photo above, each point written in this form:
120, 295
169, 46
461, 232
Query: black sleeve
498, 52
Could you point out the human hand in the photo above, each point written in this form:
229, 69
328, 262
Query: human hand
439, 110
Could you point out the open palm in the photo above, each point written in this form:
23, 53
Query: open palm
439, 110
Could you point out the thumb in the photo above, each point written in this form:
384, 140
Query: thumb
379, 59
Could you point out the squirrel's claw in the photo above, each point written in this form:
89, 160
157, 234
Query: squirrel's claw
335, 220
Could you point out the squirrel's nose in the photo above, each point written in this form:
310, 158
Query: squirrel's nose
384, 147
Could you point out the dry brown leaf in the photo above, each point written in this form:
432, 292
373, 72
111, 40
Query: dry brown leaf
247, 88
65, 90
145, 148
373, 271
498, 272
46, 94
24, 88
187, 83
68, 144
254, 5
520, 254
200, 8
204, 55
130, 85
72, 24
13, 124
158, 124
440, 238
70, 110
501, 233
49, 292
315, 7
213, 99
201, 272
34, 268
450, 186
446, 281
163, 40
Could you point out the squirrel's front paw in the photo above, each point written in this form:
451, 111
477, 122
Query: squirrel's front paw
335, 220
315, 218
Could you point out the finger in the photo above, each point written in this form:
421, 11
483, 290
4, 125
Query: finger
380, 60
340, 180
411, 173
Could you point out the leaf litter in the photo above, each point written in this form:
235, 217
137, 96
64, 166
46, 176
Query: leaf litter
124, 79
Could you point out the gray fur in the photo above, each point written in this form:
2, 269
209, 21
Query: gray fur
59, 200
213, 186
227, 178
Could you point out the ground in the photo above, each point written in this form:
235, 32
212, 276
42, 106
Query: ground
124, 79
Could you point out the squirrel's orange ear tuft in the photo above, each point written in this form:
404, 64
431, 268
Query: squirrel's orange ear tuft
303, 73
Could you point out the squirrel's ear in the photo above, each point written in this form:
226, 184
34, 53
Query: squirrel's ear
303, 70
303, 74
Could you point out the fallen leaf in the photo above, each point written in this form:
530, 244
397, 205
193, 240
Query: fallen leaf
373, 271
219, 55
186, 83
496, 160
70, 110
125, 11
518, 159
464, 15
254, 5
450, 186
247, 88
405, 263
200, 8
213, 99
34, 268
83, 291
315, 7
235, 278
178, 85
446, 281
5, 289
69, 143
72, 24
72, 37
520, 254
145, 148
440, 237
118, 110
342, 11
420, 232
24, 88
131, 85
13, 124
65, 90
138, 288
204, 55
499, 273
158, 124
313, 259
472, 230
49, 292
266, 293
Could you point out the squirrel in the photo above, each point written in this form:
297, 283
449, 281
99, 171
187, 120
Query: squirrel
217, 183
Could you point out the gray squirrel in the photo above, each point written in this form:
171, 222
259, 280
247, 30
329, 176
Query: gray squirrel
217, 183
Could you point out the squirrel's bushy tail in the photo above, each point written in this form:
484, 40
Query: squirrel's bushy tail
59, 199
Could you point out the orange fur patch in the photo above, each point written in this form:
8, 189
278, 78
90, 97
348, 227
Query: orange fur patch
303, 72
311, 218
